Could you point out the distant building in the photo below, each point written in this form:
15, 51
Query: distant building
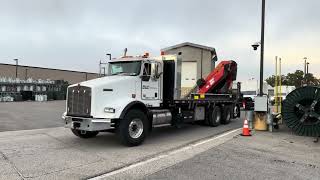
24, 72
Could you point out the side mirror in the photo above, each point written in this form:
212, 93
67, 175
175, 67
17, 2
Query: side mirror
145, 77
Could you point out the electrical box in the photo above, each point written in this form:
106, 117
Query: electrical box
261, 104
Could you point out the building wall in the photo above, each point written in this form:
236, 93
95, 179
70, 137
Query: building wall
7, 70
193, 54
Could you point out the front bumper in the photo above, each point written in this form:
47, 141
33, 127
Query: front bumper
87, 124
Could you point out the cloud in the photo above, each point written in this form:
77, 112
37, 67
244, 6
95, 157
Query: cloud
76, 34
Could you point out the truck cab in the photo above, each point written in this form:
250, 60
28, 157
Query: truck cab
96, 105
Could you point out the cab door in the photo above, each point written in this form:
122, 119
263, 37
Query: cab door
150, 84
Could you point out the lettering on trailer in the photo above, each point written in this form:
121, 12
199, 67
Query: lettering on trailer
210, 82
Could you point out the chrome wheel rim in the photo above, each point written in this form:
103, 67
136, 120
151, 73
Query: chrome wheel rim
135, 128
218, 117
235, 111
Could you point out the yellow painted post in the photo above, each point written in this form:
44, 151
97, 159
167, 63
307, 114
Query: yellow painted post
276, 87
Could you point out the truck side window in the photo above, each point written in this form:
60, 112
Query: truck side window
147, 69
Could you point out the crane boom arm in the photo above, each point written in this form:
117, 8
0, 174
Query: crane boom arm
220, 79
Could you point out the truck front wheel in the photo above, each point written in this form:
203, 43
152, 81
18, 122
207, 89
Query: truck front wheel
84, 134
131, 130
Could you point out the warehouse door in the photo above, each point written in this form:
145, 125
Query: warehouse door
188, 74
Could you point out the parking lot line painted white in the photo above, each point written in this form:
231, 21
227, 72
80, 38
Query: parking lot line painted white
161, 161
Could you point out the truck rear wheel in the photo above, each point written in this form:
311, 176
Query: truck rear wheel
84, 134
215, 117
236, 111
226, 115
131, 130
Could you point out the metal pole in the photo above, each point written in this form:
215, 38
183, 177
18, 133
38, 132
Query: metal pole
16, 67
100, 68
307, 80
26, 75
280, 84
276, 86
201, 62
305, 66
262, 46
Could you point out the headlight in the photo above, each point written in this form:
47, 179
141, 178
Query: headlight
109, 110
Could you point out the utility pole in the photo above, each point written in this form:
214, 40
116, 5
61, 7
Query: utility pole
280, 86
262, 46
16, 67
276, 86
307, 73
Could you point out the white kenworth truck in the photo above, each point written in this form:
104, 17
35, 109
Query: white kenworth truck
140, 93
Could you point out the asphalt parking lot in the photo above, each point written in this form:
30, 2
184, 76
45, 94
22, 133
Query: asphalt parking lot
34, 145
278, 155
55, 153
30, 115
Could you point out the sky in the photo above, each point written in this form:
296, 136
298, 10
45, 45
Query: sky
76, 34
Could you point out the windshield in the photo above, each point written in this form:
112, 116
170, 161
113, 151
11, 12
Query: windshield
131, 68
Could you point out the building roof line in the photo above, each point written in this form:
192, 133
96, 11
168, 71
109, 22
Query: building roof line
189, 44
47, 68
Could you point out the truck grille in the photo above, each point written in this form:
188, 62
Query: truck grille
79, 101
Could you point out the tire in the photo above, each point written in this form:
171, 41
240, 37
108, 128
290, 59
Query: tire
226, 115
84, 134
132, 129
214, 119
236, 111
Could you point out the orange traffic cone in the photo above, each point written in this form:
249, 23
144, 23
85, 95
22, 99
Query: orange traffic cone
245, 129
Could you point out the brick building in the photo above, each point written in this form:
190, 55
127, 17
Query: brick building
24, 72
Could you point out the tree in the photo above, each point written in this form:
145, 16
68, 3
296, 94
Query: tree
296, 79
311, 80
271, 80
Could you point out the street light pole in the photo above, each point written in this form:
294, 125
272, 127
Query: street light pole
262, 47
100, 68
305, 66
16, 67
307, 73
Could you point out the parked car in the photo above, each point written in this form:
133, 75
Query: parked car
247, 103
